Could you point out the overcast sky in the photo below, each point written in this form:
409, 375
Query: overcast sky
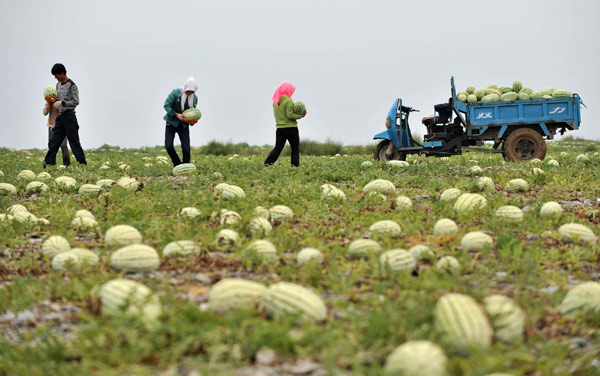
348, 58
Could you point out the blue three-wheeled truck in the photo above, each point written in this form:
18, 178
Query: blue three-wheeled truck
517, 128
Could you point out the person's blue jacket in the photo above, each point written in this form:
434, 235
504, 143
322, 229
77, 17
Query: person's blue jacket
173, 106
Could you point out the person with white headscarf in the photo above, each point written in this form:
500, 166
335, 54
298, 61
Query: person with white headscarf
177, 102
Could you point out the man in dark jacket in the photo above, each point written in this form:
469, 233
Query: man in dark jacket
66, 121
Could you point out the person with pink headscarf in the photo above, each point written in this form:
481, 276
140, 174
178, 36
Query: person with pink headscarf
286, 123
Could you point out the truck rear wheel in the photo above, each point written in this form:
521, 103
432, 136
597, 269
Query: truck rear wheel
524, 144
382, 152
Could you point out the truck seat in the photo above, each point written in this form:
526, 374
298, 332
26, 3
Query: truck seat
430, 119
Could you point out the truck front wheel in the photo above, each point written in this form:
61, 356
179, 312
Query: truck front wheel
524, 144
386, 151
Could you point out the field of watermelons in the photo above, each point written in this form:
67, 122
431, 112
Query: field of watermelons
467, 265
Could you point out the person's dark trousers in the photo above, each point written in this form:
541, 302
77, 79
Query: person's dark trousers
66, 158
281, 136
66, 126
184, 138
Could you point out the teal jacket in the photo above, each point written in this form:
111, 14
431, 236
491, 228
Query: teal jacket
173, 106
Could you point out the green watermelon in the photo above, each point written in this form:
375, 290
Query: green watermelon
548, 91
509, 96
184, 169
192, 114
517, 86
490, 98
523, 96
479, 93
488, 91
299, 108
561, 94
50, 92
536, 95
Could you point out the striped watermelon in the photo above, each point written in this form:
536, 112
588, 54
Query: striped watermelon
76, 256
50, 93
105, 183
122, 235
84, 222
489, 98
89, 189
397, 260
476, 241
124, 296
445, 226
416, 358
181, 248
507, 318
43, 176
232, 192
510, 212
193, 114
517, 86
307, 254
259, 226
485, 183
283, 298
135, 258
583, 297
509, 96
385, 228
7, 189
128, 183
380, 185
26, 175
299, 108
184, 169
450, 194
227, 237
469, 201
421, 252
263, 249
517, 185
36, 187
551, 208
362, 248
229, 217
576, 233
462, 322
234, 294
402, 202
54, 245
13, 209
280, 213
189, 212
449, 264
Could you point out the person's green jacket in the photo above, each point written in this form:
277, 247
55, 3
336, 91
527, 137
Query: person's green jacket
173, 106
285, 117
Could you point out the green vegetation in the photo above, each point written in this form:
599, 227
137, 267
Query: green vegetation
54, 322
